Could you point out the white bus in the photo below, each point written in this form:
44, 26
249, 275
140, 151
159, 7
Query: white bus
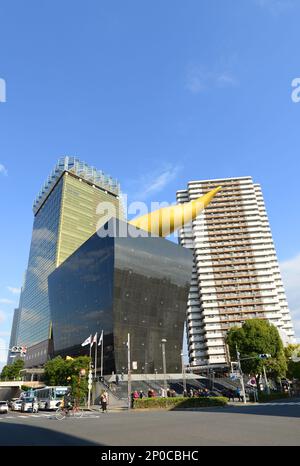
50, 397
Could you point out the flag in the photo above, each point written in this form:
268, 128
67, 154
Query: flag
87, 341
101, 338
94, 339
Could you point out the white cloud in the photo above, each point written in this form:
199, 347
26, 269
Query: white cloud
3, 170
43, 234
14, 290
199, 78
3, 351
2, 316
290, 271
6, 301
153, 183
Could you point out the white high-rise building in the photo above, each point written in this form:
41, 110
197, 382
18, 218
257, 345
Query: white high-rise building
236, 274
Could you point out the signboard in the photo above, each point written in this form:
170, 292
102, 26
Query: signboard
19, 349
252, 382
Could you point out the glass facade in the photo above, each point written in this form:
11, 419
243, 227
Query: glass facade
66, 214
35, 316
80, 215
14, 333
122, 285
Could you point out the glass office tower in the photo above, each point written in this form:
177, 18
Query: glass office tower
75, 200
121, 285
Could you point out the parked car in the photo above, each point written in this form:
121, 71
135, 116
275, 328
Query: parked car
11, 402
16, 405
3, 407
29, 404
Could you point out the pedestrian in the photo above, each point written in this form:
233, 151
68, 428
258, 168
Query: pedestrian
184, 393
142, 394
163, 393
117, 379
230, 395
132, 399
104, 401
168, 393
238, 394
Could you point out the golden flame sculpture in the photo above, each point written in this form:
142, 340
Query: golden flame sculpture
165, 221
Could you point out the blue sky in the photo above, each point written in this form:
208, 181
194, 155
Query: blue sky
155, 94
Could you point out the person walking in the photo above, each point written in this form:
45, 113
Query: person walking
238, 394
104, 401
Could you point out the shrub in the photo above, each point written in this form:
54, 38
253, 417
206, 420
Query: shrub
263, 397
180, 402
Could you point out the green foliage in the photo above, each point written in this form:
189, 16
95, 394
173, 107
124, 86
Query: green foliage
293, 371
258, 337
12, 371
59, 371
180, 402
25, 388
292, 350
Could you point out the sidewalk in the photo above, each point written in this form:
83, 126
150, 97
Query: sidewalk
113, 409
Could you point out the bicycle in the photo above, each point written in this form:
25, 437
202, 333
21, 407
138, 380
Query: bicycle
63, 412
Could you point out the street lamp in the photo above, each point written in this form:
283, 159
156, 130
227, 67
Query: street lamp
128, 371
183, 372
163, 342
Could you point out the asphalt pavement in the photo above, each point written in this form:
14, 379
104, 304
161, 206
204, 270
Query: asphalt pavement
276, 423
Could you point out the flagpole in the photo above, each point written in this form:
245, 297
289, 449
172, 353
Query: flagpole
90, 350
96, 356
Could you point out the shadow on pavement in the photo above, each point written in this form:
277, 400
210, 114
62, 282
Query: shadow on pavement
13, 434
280, 409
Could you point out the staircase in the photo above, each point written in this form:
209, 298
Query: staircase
114, 401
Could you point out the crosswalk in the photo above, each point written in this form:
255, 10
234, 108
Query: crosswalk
86, 415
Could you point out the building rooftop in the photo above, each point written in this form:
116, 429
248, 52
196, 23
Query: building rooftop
81, 169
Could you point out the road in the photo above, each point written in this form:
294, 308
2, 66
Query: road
269, 424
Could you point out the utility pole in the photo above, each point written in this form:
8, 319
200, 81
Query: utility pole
241, 374
129, 372
163, 342
266, 381
102, 350
90, 376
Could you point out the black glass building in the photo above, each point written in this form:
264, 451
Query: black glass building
121, 285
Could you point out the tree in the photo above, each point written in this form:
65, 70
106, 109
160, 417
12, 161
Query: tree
256, 337
292, 354
293, 371
292, 351
12, 371
65, 372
